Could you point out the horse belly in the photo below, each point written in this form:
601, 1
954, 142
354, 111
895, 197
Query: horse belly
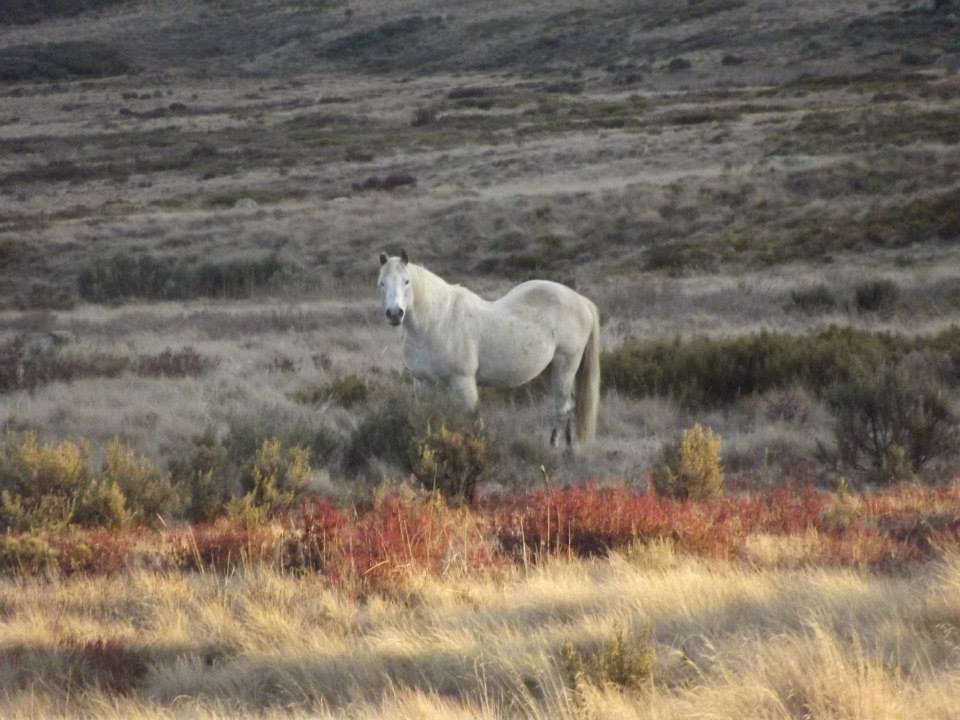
514, 355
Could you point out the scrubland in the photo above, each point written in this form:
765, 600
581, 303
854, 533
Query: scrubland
218, 497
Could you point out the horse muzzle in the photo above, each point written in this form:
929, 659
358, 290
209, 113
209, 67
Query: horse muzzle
395, 316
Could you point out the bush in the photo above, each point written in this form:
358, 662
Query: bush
185, 362
40, 485
892, 423
45, 487
347, 391
452, 462
61, 61
678, 257
691, 468
28, 11
423, 116
27, 554
149, 493
876, 295
248, 431
124, 277
277, 476
205, 479
26, 368
392, 427
622, 662
813, 300
706, 372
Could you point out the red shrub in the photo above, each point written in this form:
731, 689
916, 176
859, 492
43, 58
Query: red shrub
373, 547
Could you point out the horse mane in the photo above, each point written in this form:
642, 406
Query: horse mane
427, 284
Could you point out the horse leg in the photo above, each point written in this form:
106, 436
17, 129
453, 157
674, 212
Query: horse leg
563, 374
464, 388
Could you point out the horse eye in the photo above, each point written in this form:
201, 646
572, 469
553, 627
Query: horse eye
406, 282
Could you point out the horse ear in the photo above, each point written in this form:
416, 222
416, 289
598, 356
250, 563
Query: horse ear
403, 257
383, 258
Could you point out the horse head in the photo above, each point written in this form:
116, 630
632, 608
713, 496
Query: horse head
396, 293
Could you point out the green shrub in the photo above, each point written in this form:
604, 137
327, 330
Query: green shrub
876, 295
28, 11
27, 554
892, 423
149, 493
691, 468
50, 486
102, 504
206, 480
678, 257
248, 430
423, 116
25, 368
346, 391
125, 276
714, 372
277, 476
813, 300
452, 462
61, 61
40, 485
394, 423
625, 663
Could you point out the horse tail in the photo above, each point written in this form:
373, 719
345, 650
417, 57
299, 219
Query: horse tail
587, 383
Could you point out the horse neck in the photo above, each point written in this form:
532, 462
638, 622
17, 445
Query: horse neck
431, 296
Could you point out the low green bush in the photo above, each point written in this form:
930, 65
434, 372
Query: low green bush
891, 423
452, 462
876, 295
49, 486
690, 469
275, 478
347, 391
124, 277
624, 662
207, 481
395, 423
705, 372
40, 485
149, 493
62, 61
813, 300
26, 555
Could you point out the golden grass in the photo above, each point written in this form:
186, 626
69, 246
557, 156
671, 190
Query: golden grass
731, 641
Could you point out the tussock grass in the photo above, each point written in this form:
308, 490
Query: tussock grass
726, 641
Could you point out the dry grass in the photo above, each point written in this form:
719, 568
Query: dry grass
729, 641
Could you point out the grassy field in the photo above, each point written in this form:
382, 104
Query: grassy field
210, 457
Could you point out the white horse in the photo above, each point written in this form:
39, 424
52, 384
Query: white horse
455, 338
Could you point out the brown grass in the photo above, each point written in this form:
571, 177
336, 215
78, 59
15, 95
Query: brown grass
728, 641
